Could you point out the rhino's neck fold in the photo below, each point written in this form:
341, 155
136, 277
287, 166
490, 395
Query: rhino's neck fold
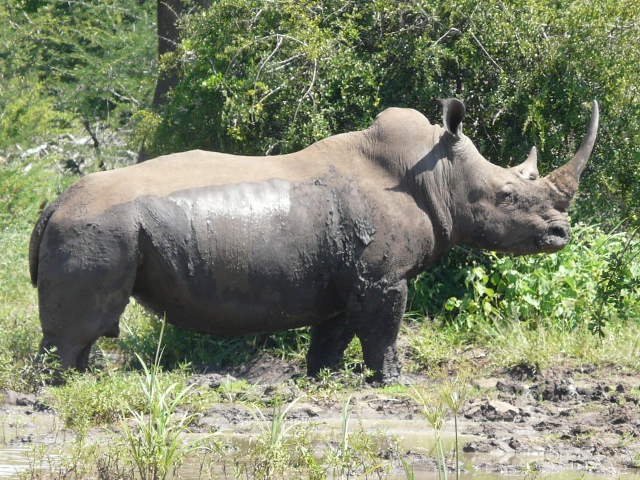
434, 193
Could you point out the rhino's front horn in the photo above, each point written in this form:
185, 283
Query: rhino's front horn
566, 177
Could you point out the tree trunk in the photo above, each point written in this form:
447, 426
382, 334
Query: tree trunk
168, 38
169, 11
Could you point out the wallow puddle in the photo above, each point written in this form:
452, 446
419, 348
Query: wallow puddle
13, 460
415, 444
29, 440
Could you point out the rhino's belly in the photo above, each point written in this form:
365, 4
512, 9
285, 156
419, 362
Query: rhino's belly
254, 295
242, 314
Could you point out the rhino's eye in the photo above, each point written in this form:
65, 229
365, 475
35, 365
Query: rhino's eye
507, 198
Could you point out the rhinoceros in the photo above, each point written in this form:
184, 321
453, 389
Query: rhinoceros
327, 237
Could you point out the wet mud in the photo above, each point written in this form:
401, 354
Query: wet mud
559, 420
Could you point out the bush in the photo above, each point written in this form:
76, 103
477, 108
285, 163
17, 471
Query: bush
85, 401
86, 59
29, 114
272, 77
592, 282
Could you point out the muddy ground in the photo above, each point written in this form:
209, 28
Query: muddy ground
583, 419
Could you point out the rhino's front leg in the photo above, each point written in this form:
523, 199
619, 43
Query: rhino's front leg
381, 315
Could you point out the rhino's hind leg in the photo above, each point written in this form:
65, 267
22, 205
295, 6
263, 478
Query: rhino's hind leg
70, 356
328, 343
382, 309
71, 332
78, 308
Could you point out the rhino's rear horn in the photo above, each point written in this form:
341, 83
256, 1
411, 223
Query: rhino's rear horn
566, 177
529, 168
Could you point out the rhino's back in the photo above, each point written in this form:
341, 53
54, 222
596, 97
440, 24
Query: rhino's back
178, 172
377, 157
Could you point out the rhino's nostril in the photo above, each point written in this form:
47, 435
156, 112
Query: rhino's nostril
559, 232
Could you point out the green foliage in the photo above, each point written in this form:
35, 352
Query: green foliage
61, 59
272, 449
155, 442
264, 77
23, 187
449, 396
594, 281
270, 77
514, 345
86, 401
28, 113
358, 453
431, 346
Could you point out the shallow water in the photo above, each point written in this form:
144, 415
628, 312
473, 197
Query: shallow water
423, 442
478, 475
13, 460
18, 458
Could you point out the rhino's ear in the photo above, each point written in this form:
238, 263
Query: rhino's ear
452, 115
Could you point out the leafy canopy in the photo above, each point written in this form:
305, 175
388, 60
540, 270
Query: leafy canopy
66, 60
267, 77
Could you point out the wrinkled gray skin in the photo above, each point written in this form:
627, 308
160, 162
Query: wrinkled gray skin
326, 237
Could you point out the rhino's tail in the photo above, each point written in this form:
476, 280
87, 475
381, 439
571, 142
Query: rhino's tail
36, 238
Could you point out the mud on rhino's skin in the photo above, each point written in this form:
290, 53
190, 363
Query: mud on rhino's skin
326, 237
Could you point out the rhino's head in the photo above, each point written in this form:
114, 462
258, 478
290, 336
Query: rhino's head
511, 210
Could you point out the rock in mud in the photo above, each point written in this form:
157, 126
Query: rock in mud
11, 397
512, 388
557, 390
492, 447
212, 380
493, 411
501, 411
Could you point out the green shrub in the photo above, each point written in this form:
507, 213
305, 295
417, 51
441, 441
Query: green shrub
29, 114
93, 60
94, 400
592, 282
156, 442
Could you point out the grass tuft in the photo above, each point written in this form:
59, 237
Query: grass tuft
156, 441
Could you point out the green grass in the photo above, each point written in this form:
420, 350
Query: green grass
156, 441
94, 400
514, 344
